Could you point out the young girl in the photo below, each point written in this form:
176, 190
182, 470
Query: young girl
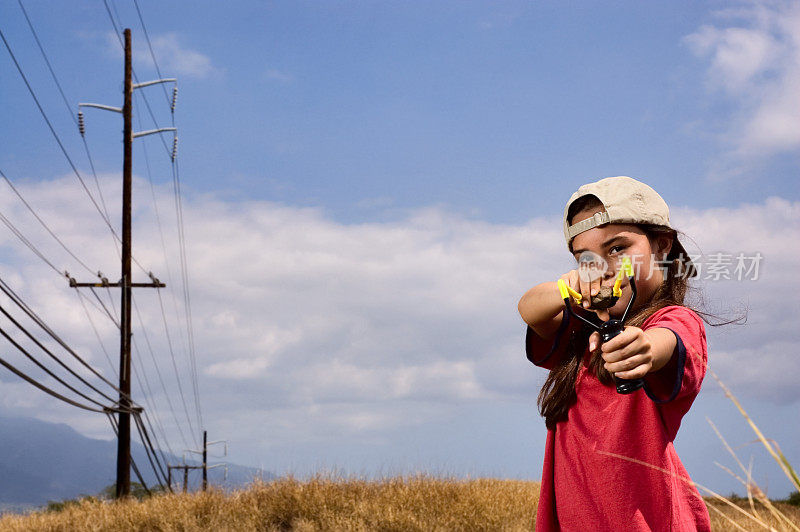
609, 462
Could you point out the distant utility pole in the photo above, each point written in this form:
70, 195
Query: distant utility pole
125, 406
205, 460
186, 469
204, 466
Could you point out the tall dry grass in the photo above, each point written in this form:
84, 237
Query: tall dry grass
401, 503
419, 503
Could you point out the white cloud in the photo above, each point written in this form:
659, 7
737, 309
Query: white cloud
368, 326
174, 58
754, 61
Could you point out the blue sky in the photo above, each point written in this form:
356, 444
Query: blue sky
370, 186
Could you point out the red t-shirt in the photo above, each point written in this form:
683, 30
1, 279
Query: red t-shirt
582, 487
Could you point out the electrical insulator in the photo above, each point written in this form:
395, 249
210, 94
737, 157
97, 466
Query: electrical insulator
81, 124
174, 98
174, 148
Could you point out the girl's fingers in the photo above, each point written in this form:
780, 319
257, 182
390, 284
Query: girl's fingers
623, 368
628, 339
585, 298
585, 286
636, 373
575, 282
623, 352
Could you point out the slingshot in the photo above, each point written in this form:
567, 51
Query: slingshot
612, 327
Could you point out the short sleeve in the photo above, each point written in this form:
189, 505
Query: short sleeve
546, 352
678, 382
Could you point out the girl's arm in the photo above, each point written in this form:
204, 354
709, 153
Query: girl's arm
541, 308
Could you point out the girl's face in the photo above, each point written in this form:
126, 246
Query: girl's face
610, 242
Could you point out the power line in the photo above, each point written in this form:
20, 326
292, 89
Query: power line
124, 397
28, 243
36, 319
193, 370
39, 219
51, 355
135, 77
174, 364
114, 319
78, 121
163, 433
133, 462
108, 358
44, 368
96, 333
46, 60
158, 373
182, 246
104, 211
53, 131
150, 46
139, 373
47, 390
185, 277
116, 29
149, 450
166, 262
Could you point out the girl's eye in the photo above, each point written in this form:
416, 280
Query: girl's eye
611, 250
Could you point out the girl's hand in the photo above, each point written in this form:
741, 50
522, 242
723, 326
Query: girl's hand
585, 285
629, 355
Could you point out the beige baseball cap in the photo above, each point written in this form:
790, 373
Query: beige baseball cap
626, 201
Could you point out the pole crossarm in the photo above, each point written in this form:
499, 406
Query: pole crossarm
152, 131
73, 284
185, 466
154, 82
101, 106
156, 283
116, 409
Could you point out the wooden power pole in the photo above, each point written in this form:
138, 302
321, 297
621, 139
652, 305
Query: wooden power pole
204, 466
124, 438
125, 405
205, 460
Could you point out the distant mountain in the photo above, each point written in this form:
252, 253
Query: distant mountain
41, 462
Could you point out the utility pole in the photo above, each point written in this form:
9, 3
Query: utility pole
124, 440
185, 468
125, 405
204, 452
205, 460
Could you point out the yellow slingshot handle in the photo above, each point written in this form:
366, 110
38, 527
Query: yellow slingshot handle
625, 271
566, 291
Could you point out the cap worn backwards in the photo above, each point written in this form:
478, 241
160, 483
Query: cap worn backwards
625, 200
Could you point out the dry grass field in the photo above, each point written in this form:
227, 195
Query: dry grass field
419, 503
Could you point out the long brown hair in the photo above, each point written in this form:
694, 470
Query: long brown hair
558, 392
